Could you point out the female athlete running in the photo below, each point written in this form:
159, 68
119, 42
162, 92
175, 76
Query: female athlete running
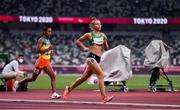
97, 43
45, 50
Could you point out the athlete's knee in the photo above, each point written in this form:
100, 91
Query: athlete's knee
100, 76
33, 77
36, 71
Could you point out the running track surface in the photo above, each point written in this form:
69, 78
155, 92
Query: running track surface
90, 99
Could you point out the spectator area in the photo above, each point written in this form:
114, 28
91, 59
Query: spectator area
67, 53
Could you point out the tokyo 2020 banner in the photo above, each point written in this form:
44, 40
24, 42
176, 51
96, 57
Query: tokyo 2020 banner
129, 21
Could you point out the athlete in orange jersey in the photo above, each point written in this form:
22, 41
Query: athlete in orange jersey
45, 50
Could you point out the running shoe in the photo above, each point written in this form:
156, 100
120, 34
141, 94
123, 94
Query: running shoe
107, 99
55, 96
153, 88
66, 92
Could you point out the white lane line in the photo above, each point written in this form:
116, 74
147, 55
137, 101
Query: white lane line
88, 102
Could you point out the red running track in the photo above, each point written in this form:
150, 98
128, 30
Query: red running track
89, 99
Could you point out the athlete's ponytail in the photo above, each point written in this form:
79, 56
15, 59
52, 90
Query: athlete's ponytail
93, 19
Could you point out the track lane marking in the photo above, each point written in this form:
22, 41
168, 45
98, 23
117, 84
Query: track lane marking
88, 102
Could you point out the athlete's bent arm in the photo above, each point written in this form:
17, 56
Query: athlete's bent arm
80, 41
